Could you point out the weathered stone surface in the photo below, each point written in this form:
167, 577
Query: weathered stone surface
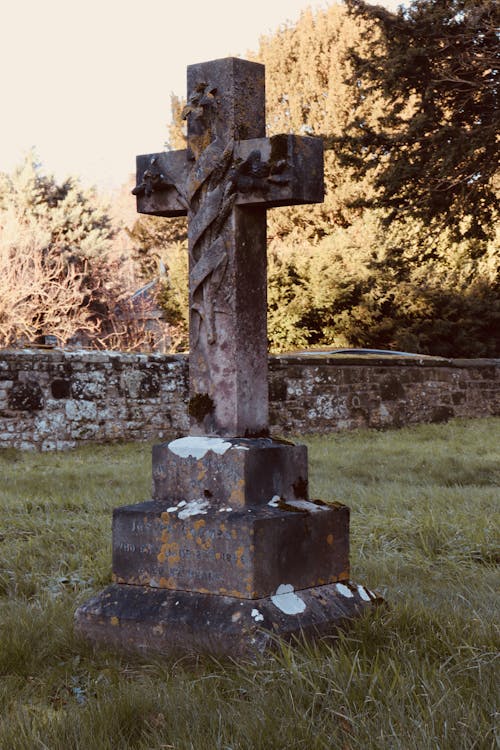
246, 553
302, 181
25, 396
224, 181
232, 471
140, 618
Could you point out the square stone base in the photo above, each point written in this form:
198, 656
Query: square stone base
143, 619
247, 552
229, 471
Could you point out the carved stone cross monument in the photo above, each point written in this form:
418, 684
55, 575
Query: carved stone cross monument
225, 179
230, 551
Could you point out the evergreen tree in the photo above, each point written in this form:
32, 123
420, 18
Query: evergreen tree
78, 224
437, 142
54, 244
307, 65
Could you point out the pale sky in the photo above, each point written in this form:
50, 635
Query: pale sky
87, 83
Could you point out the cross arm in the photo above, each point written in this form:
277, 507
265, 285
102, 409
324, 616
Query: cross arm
283, 170
161, 181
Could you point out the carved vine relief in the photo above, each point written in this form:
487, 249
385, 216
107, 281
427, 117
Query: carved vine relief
210, 192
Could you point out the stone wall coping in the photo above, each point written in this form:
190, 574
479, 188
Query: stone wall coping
274, 359
96, 355
374, 361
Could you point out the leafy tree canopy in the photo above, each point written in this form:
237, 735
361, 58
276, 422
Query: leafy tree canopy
437, 141
78, 224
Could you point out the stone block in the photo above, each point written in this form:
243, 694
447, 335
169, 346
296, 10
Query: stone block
246, 553
168, 623
232, 471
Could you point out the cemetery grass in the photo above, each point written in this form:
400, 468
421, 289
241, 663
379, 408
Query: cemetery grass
420, 673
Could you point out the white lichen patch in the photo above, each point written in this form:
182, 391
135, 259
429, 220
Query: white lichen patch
257, 616
274, 501
287, 601
194, 508
306, 505
225, 510
175, 508
198, 447
344, 590
364, 593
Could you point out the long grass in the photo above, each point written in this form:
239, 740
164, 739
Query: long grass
422, 673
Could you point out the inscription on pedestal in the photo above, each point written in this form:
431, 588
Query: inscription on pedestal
246, 553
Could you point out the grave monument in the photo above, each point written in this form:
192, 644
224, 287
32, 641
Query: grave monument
230, 552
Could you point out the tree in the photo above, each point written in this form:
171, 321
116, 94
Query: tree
57, 272
39, 294
307, 64
436, 145
78, 224
53, 239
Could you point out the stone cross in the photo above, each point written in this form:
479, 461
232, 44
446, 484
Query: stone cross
224, 181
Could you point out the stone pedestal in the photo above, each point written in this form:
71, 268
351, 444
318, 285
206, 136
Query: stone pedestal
229, 553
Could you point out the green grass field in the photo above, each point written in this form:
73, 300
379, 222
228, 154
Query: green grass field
420, 674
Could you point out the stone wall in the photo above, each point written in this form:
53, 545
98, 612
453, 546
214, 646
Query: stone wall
53, 399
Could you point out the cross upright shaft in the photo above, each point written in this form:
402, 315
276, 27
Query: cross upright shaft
226, 178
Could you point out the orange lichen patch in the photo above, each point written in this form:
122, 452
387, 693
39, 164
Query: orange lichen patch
202, 474
203, 544
237, 496
329, 539
239, 554
222, 527
204, 591
174, 555
199, 524
237, 594
217, 555
234, 533
344, 576
114, 620
168, 547
167, 583
165, 517
252, 548
189, 535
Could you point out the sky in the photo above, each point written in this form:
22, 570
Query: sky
87, 83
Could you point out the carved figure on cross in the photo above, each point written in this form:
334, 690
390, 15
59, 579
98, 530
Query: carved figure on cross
225, 179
